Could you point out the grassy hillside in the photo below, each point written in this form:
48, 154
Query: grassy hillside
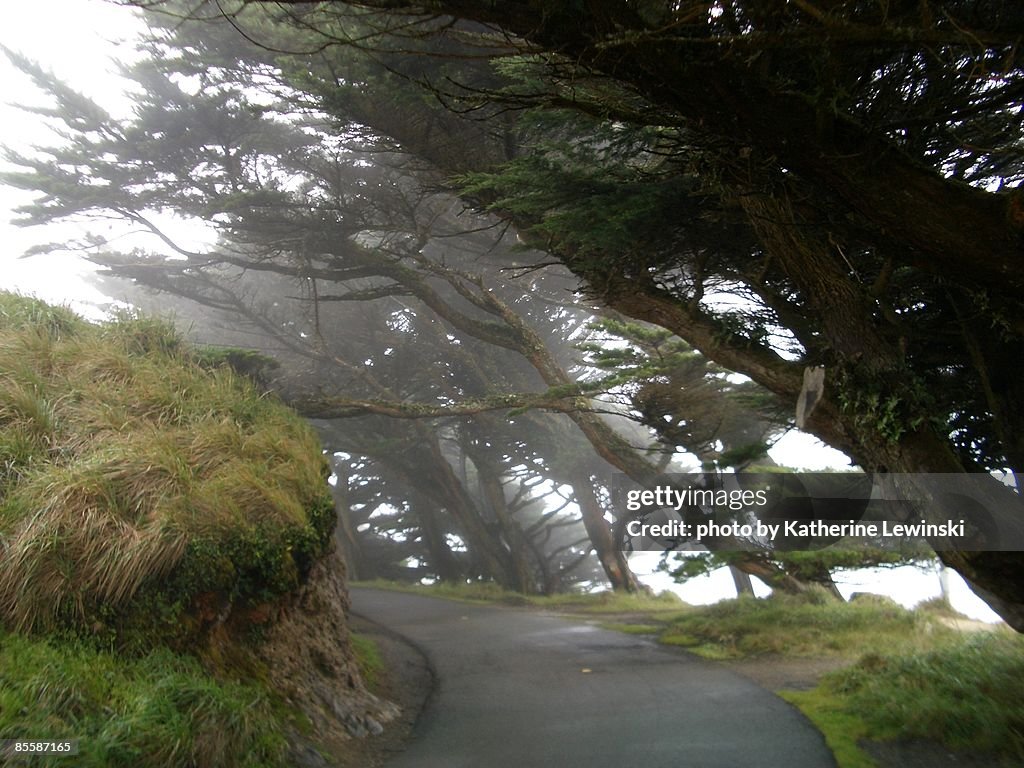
157, 515
135, 481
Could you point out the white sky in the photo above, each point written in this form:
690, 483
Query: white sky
78, 40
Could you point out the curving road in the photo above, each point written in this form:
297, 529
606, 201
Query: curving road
522, 689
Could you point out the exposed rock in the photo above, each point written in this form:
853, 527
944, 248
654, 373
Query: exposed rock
310, 662
304, 756
375, 728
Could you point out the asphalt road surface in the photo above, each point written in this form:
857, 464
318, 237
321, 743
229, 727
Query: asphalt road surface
522, 689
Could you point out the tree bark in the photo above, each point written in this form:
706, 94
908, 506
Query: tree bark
518, 549
613, 560
741, 580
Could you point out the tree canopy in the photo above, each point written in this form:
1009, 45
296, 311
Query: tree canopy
783, 187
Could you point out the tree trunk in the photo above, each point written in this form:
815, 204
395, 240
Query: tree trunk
442, 560
741, 580
770, 574
518, 548
613, 560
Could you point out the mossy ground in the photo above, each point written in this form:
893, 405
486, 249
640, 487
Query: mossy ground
368, 660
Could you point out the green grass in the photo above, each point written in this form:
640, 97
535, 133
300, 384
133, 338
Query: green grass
841, 728
157, 710
149, 497
368, 660
477, 591
808, 625
135, 480
572, 602
615, 602
633, 629
967, 695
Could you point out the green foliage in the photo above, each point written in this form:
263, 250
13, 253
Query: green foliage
605, 217
809, 565
744, 455
245, 362
136, 482
648, 352
879, 406
684, 398
158, 710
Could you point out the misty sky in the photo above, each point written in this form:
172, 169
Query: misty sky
78, 40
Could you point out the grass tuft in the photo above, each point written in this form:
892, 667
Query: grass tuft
799, 626
134, 481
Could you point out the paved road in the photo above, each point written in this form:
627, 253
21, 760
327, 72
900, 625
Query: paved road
513, 693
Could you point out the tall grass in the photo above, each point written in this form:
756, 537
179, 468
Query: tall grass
24, 313
804, 625
129, 470
967, 696
158, 710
